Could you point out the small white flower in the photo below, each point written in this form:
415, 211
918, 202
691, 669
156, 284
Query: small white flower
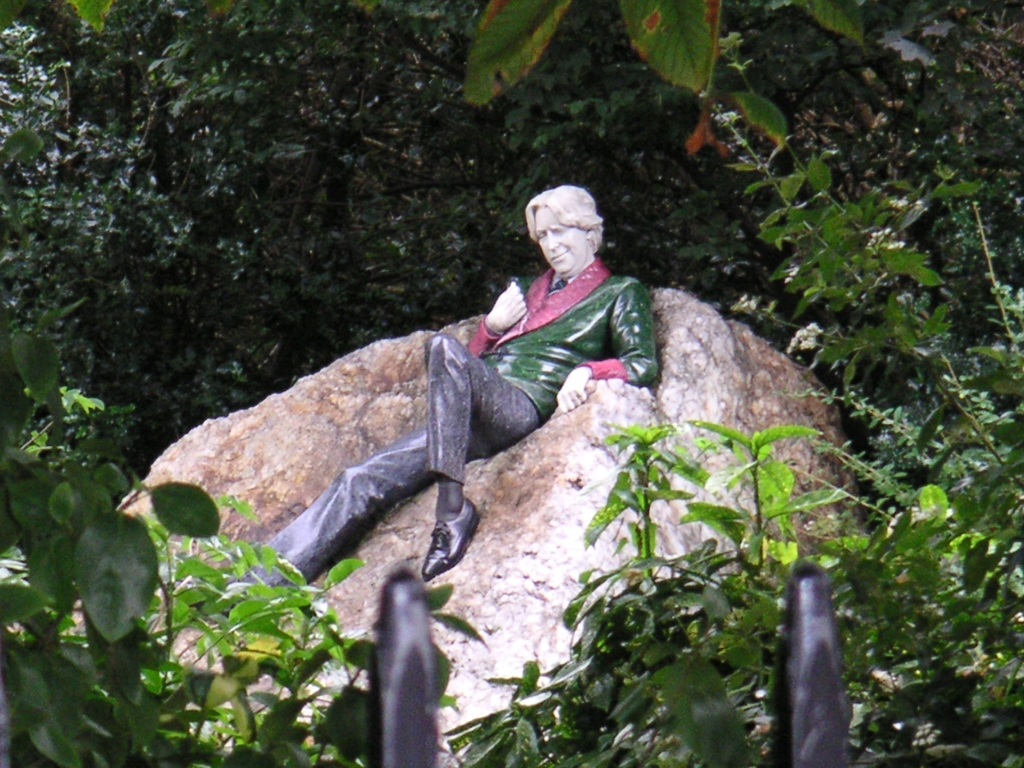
807, 339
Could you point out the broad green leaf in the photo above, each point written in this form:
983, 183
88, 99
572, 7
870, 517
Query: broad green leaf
963, 189
785, 552
51, 570
790, 186
38, 362
19, 602
185, 509
933, 500
9, 10
814, 499
62, 502
52, 316
763, 115
715, 603
840, 16
459, 624
578, 603
785, 432
9, 530
726, 432
678, 38
115, 567
112, 478
438, 597
342, 571
48, 691
30, 503
723, 520
701, 713
53, 742
347, 723
531, 677
512, 38
775, 485
209, 690
94, 12
23, 145
244, 717
604, 517
912, 264
819, 174
15, 409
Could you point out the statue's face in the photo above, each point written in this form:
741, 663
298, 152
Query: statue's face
569, 250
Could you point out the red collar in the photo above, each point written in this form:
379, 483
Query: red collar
542, 308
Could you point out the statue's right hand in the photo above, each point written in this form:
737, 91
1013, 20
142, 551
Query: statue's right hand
508, 310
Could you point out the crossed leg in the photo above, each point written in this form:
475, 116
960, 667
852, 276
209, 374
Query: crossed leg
472, 413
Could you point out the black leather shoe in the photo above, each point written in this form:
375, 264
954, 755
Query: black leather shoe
449, 541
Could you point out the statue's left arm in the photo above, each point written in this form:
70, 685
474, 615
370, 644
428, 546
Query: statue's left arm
632, 346
631, 337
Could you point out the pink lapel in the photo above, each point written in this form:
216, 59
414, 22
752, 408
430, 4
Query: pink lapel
542, 309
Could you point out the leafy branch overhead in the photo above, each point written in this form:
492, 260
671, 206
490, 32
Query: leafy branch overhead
679, 39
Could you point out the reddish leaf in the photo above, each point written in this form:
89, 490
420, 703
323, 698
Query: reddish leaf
704, 136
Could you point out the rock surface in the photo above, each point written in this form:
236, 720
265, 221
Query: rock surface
535, 499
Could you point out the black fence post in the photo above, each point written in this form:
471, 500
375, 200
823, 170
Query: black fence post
405, 686
5, 718
814, 715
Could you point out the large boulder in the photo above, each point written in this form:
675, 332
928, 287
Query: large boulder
535, 499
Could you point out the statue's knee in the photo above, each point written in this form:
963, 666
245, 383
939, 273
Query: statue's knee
443, 345
358, 487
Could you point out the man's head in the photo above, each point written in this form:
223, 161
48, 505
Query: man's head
564, 222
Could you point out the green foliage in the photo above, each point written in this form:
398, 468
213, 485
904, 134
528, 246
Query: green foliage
679, 40
673, 661
93, 11
511, 39
124, 644
672, 658
239, 199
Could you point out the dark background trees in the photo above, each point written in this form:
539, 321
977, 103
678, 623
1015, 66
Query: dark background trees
198, 209
240, 199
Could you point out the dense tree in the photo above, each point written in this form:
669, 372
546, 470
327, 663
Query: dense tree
264, 190
199, 208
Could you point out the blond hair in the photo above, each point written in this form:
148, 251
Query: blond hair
572, 207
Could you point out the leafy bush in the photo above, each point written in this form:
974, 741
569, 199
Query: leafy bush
140, 641
674, 660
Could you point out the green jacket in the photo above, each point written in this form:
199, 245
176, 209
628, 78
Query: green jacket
600, 321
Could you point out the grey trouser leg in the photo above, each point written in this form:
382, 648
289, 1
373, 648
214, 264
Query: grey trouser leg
337, 520
473, 413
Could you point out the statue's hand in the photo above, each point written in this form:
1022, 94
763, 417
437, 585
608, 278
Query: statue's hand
508, 310
574, 390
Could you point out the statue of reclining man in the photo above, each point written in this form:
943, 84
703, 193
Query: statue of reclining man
534, 352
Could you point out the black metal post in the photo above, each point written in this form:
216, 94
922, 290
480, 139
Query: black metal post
405, 685
5, 718
814, 715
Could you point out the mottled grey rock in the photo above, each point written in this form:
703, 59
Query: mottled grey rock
535, 499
